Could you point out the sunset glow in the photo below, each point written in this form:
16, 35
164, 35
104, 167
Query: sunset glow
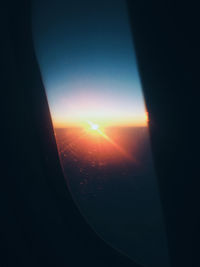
134, 122
113, 113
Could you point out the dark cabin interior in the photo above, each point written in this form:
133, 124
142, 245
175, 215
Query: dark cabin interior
40, 224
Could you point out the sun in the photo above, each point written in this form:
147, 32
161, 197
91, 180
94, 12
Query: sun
94, 126
93, 129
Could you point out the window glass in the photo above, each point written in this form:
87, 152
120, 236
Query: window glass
88, 64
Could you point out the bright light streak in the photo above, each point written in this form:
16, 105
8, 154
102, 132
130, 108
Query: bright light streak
119, 148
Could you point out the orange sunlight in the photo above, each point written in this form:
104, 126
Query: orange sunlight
93, 133
101, 130
141, 120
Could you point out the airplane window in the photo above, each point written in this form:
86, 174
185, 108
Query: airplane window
88, 65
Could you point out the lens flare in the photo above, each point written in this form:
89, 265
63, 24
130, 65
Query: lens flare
96, 131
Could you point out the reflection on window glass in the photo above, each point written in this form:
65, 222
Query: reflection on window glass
88, 65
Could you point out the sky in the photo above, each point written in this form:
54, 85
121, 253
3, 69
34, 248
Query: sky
88, 63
